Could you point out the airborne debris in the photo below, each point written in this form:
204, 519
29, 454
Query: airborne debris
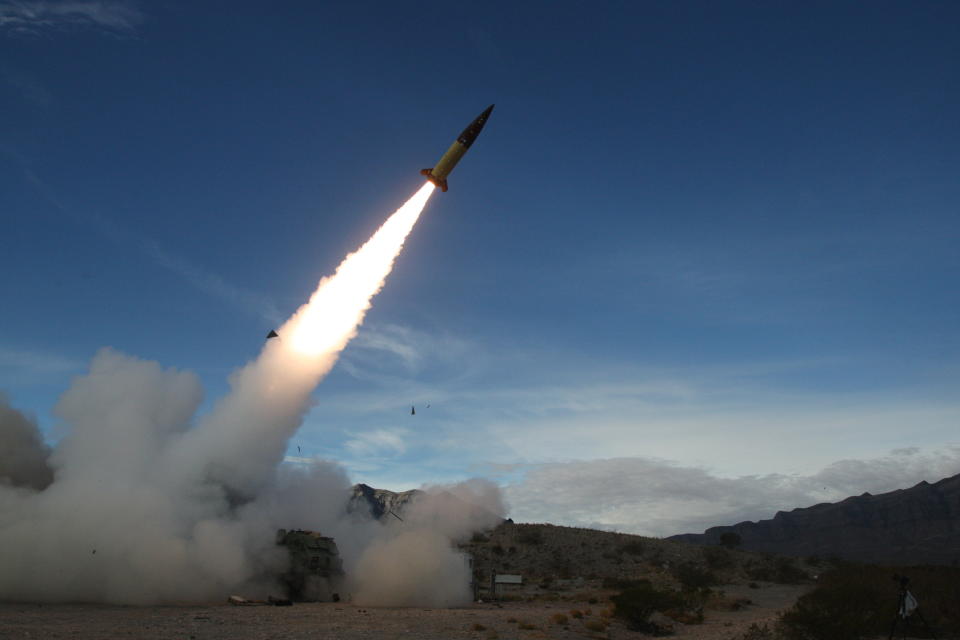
272, 334
413, 411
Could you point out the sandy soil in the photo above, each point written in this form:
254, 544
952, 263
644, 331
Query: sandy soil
481, 621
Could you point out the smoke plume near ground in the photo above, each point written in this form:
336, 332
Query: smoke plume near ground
141, 503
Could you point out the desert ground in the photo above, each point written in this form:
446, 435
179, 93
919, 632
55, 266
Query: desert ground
480, 621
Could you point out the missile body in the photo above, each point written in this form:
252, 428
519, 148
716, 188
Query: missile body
438, 174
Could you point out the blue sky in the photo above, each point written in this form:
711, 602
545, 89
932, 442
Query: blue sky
697, 243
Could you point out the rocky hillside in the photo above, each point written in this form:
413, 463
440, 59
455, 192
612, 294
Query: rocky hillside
919, 525
380, 502
569, 557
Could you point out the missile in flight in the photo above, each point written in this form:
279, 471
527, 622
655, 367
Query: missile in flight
438, 174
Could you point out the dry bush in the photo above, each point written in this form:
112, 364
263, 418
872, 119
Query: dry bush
595, 625
779, 570
530, 534
526, 626
634, 548
636, 604
559, 618
693, 576
718, 558
854, 601
478, 627
576, 613
756, 632
719, 602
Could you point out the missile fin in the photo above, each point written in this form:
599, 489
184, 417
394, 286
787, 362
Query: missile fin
440, 182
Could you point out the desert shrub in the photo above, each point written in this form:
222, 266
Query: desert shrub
497, 549
773, 569
478, 627
623, 583
814, 560
730, 539
530, 535
511, 620
558, 618
635, 548
526, 626
753, 585
591, 601
595, 625
787, 572
756, 632
721, 602
635, 605
493, 635
857, 601
718, 557
692, 576
576, 613
845, 611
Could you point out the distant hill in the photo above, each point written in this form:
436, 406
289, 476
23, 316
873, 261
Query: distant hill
380, 502
586, 557
919, 525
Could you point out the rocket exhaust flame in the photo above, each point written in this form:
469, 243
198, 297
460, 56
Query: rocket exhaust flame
136, 504
271, 394
327, 322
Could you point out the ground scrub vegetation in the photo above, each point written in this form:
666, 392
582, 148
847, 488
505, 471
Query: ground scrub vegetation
637, 603
856, 601
775, 569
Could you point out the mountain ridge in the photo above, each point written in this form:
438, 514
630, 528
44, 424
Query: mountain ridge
917, 525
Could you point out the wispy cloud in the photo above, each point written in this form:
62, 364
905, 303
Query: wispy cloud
22, 364
380, 442
390, 353
213, 284
36, 16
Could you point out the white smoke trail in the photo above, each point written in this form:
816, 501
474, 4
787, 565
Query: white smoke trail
270, 395
143, 507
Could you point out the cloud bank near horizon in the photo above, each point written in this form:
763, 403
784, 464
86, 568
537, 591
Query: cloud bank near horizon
660, 498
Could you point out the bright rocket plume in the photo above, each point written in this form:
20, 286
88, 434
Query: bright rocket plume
271, 394
324, 325
138, 503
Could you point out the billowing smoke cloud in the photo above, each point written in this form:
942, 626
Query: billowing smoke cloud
145, 504
23, 454
414, 561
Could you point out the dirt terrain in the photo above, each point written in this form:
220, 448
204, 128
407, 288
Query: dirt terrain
481, 621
